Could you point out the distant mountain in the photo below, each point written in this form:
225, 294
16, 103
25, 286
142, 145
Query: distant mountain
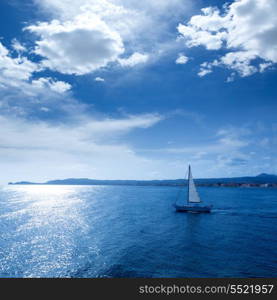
260, 179
266, 175
23, 182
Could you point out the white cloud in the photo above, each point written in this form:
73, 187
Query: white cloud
128, 17
99, 79
246, 29
205, 68
86, 149
200, 37
94, 148
133, 60
265, 66
23, 92
67, 9
239, 61
56, 86
17, 46
19, 68
77, 47
86, 129
85, 35
231, 78
109, 126
59, 86
203, 72
45, 109
182, 59
17, 75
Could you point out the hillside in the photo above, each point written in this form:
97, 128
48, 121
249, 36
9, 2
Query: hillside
259, 180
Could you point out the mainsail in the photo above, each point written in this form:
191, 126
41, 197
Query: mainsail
192, 192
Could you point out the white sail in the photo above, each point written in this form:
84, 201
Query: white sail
192, 192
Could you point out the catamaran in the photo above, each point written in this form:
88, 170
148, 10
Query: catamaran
193, 199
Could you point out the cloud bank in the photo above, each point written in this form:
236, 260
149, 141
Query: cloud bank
86, 35
90, 147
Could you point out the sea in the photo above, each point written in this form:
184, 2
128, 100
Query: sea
134, 231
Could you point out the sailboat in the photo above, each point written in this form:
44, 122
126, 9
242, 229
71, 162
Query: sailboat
193, 199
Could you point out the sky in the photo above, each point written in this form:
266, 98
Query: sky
121, 89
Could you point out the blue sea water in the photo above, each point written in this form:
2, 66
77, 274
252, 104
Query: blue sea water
125, 231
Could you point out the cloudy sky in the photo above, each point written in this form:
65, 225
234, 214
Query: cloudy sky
122, 89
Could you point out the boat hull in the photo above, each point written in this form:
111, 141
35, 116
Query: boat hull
193, 208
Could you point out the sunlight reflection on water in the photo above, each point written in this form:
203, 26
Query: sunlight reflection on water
48, 221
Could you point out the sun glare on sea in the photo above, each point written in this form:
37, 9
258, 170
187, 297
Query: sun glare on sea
46, 195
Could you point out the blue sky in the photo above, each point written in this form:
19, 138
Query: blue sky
123, 90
